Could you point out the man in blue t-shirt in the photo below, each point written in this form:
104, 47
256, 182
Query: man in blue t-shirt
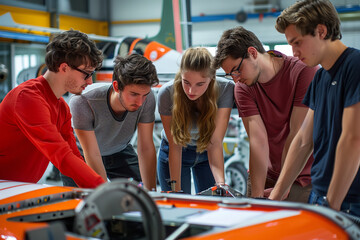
330, 130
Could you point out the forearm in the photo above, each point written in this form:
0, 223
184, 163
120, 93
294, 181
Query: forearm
216, 162
91, 151
175, 155
79, 171
297, 117
286, 148
347, 164
147, 165
295, 161
258, 166
259, 154
95, 162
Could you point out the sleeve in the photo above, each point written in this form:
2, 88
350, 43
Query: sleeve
148, 111
164, 99
352, 83
245, 101
226, 94
309, 98
303, 80
68, 132
36, 119
82, 114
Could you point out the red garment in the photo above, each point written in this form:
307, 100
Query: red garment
274, 101
35, 128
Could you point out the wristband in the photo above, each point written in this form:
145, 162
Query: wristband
325, 202
172, 184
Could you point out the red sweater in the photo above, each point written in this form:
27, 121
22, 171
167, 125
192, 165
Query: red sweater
35, 128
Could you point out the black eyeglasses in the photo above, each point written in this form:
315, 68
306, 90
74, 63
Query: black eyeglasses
87, 75
236, 72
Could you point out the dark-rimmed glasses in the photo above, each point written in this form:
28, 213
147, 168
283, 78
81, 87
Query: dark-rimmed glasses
236, 72
87, 75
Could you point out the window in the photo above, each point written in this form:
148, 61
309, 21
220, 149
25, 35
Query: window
285, 49
79, 6
38, 2
27, 60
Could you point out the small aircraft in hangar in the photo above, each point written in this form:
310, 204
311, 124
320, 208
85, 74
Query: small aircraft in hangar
160, 49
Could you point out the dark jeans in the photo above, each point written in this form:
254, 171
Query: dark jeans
123, 164
191, 161
352, 208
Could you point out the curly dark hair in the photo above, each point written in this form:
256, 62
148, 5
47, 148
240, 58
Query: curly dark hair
234, 43
134, 69
74, 48
307, 14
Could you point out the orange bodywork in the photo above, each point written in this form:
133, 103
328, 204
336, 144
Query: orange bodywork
22, 199
27, 203
155, 51
306, 225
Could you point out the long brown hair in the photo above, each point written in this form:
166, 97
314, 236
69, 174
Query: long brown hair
198, 60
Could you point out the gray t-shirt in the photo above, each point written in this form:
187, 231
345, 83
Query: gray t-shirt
91, 111
165, 102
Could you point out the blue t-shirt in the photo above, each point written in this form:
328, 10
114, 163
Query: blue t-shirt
328, 94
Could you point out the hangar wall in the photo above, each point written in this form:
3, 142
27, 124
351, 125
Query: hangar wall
141, 18
128, 18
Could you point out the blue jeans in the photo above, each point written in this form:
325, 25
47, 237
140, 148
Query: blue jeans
352, 208
191, 161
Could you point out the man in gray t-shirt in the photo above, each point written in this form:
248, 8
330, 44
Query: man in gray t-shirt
106, 116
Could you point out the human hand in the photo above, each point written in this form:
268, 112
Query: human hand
268, 193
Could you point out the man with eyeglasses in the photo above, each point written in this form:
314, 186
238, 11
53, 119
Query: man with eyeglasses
35, 121
268, 92
106, 116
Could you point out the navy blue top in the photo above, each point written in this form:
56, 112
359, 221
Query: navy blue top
328, 94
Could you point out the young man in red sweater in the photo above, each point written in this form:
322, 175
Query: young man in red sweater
35, 121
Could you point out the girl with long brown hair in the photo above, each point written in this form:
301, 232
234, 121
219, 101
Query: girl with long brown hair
194, 110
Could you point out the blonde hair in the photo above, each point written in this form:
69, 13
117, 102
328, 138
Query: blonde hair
198, 60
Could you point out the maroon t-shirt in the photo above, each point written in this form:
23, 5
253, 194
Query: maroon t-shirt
274, 102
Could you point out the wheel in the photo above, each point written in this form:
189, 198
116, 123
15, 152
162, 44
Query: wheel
236, 177
119, 210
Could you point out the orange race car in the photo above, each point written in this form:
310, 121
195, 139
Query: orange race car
123, 210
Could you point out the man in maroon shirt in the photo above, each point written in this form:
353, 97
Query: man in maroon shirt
35, 121
269, 89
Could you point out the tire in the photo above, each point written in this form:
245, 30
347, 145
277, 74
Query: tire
236, 177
